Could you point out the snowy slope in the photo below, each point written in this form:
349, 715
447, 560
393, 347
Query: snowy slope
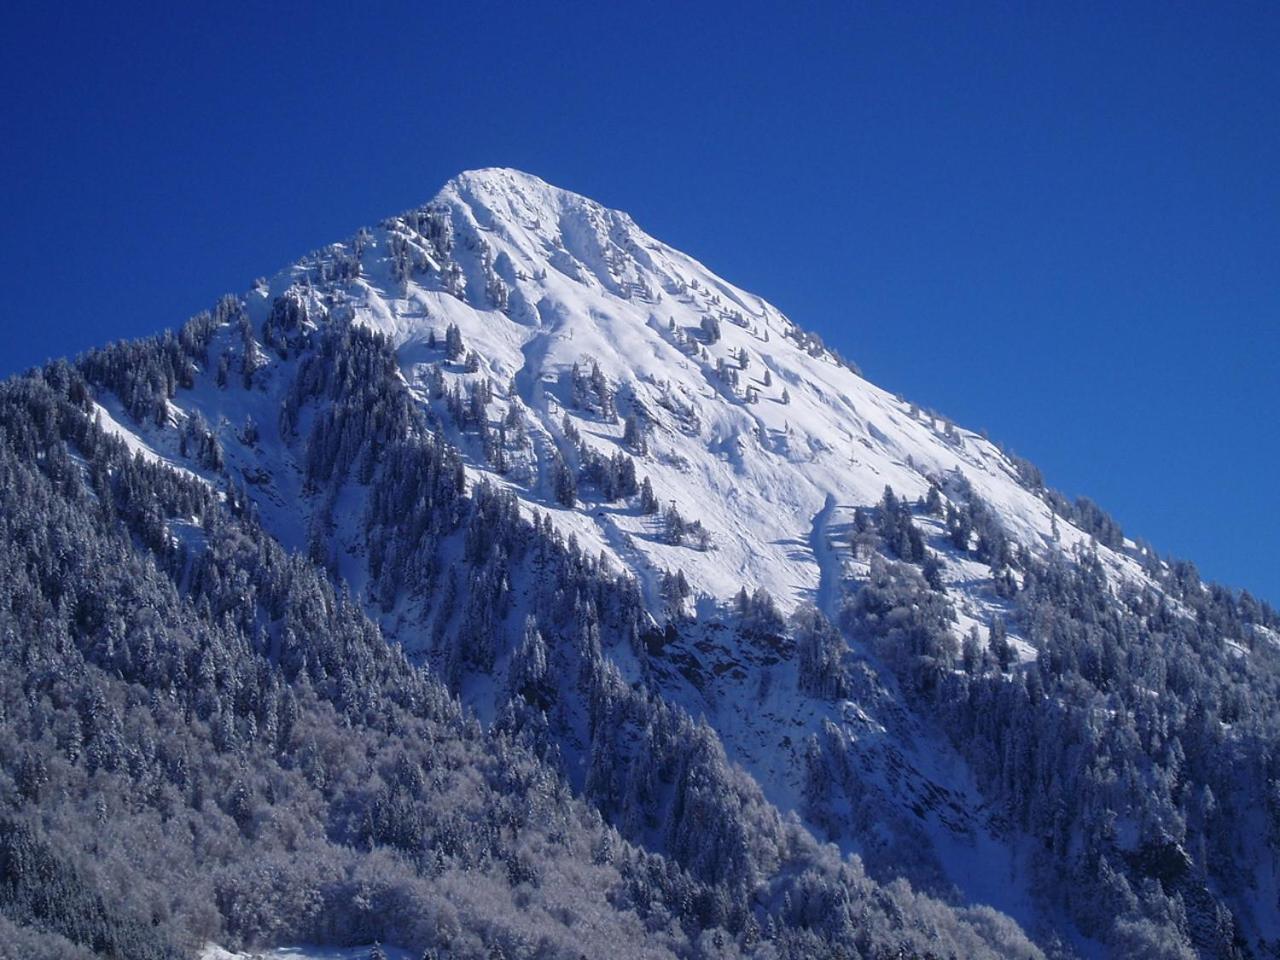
583, 284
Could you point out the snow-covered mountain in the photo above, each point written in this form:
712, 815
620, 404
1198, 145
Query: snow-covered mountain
732, 470
757, 431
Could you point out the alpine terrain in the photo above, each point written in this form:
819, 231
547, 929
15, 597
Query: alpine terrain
501, 582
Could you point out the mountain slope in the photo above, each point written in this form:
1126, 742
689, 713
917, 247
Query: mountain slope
675, 507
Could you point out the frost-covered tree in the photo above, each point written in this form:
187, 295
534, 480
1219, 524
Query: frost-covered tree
454, 349
648, 501
633, 435
820, 654
564, 484
998, 644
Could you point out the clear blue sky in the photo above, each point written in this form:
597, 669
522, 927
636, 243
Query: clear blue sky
1059, 224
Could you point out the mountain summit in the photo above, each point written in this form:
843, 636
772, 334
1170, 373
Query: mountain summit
503, 543
749, 424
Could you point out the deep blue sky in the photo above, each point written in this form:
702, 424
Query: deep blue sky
1062, 225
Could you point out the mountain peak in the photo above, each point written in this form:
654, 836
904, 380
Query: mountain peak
506, 185
508, 181
741, 412
499, 176
534, 214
